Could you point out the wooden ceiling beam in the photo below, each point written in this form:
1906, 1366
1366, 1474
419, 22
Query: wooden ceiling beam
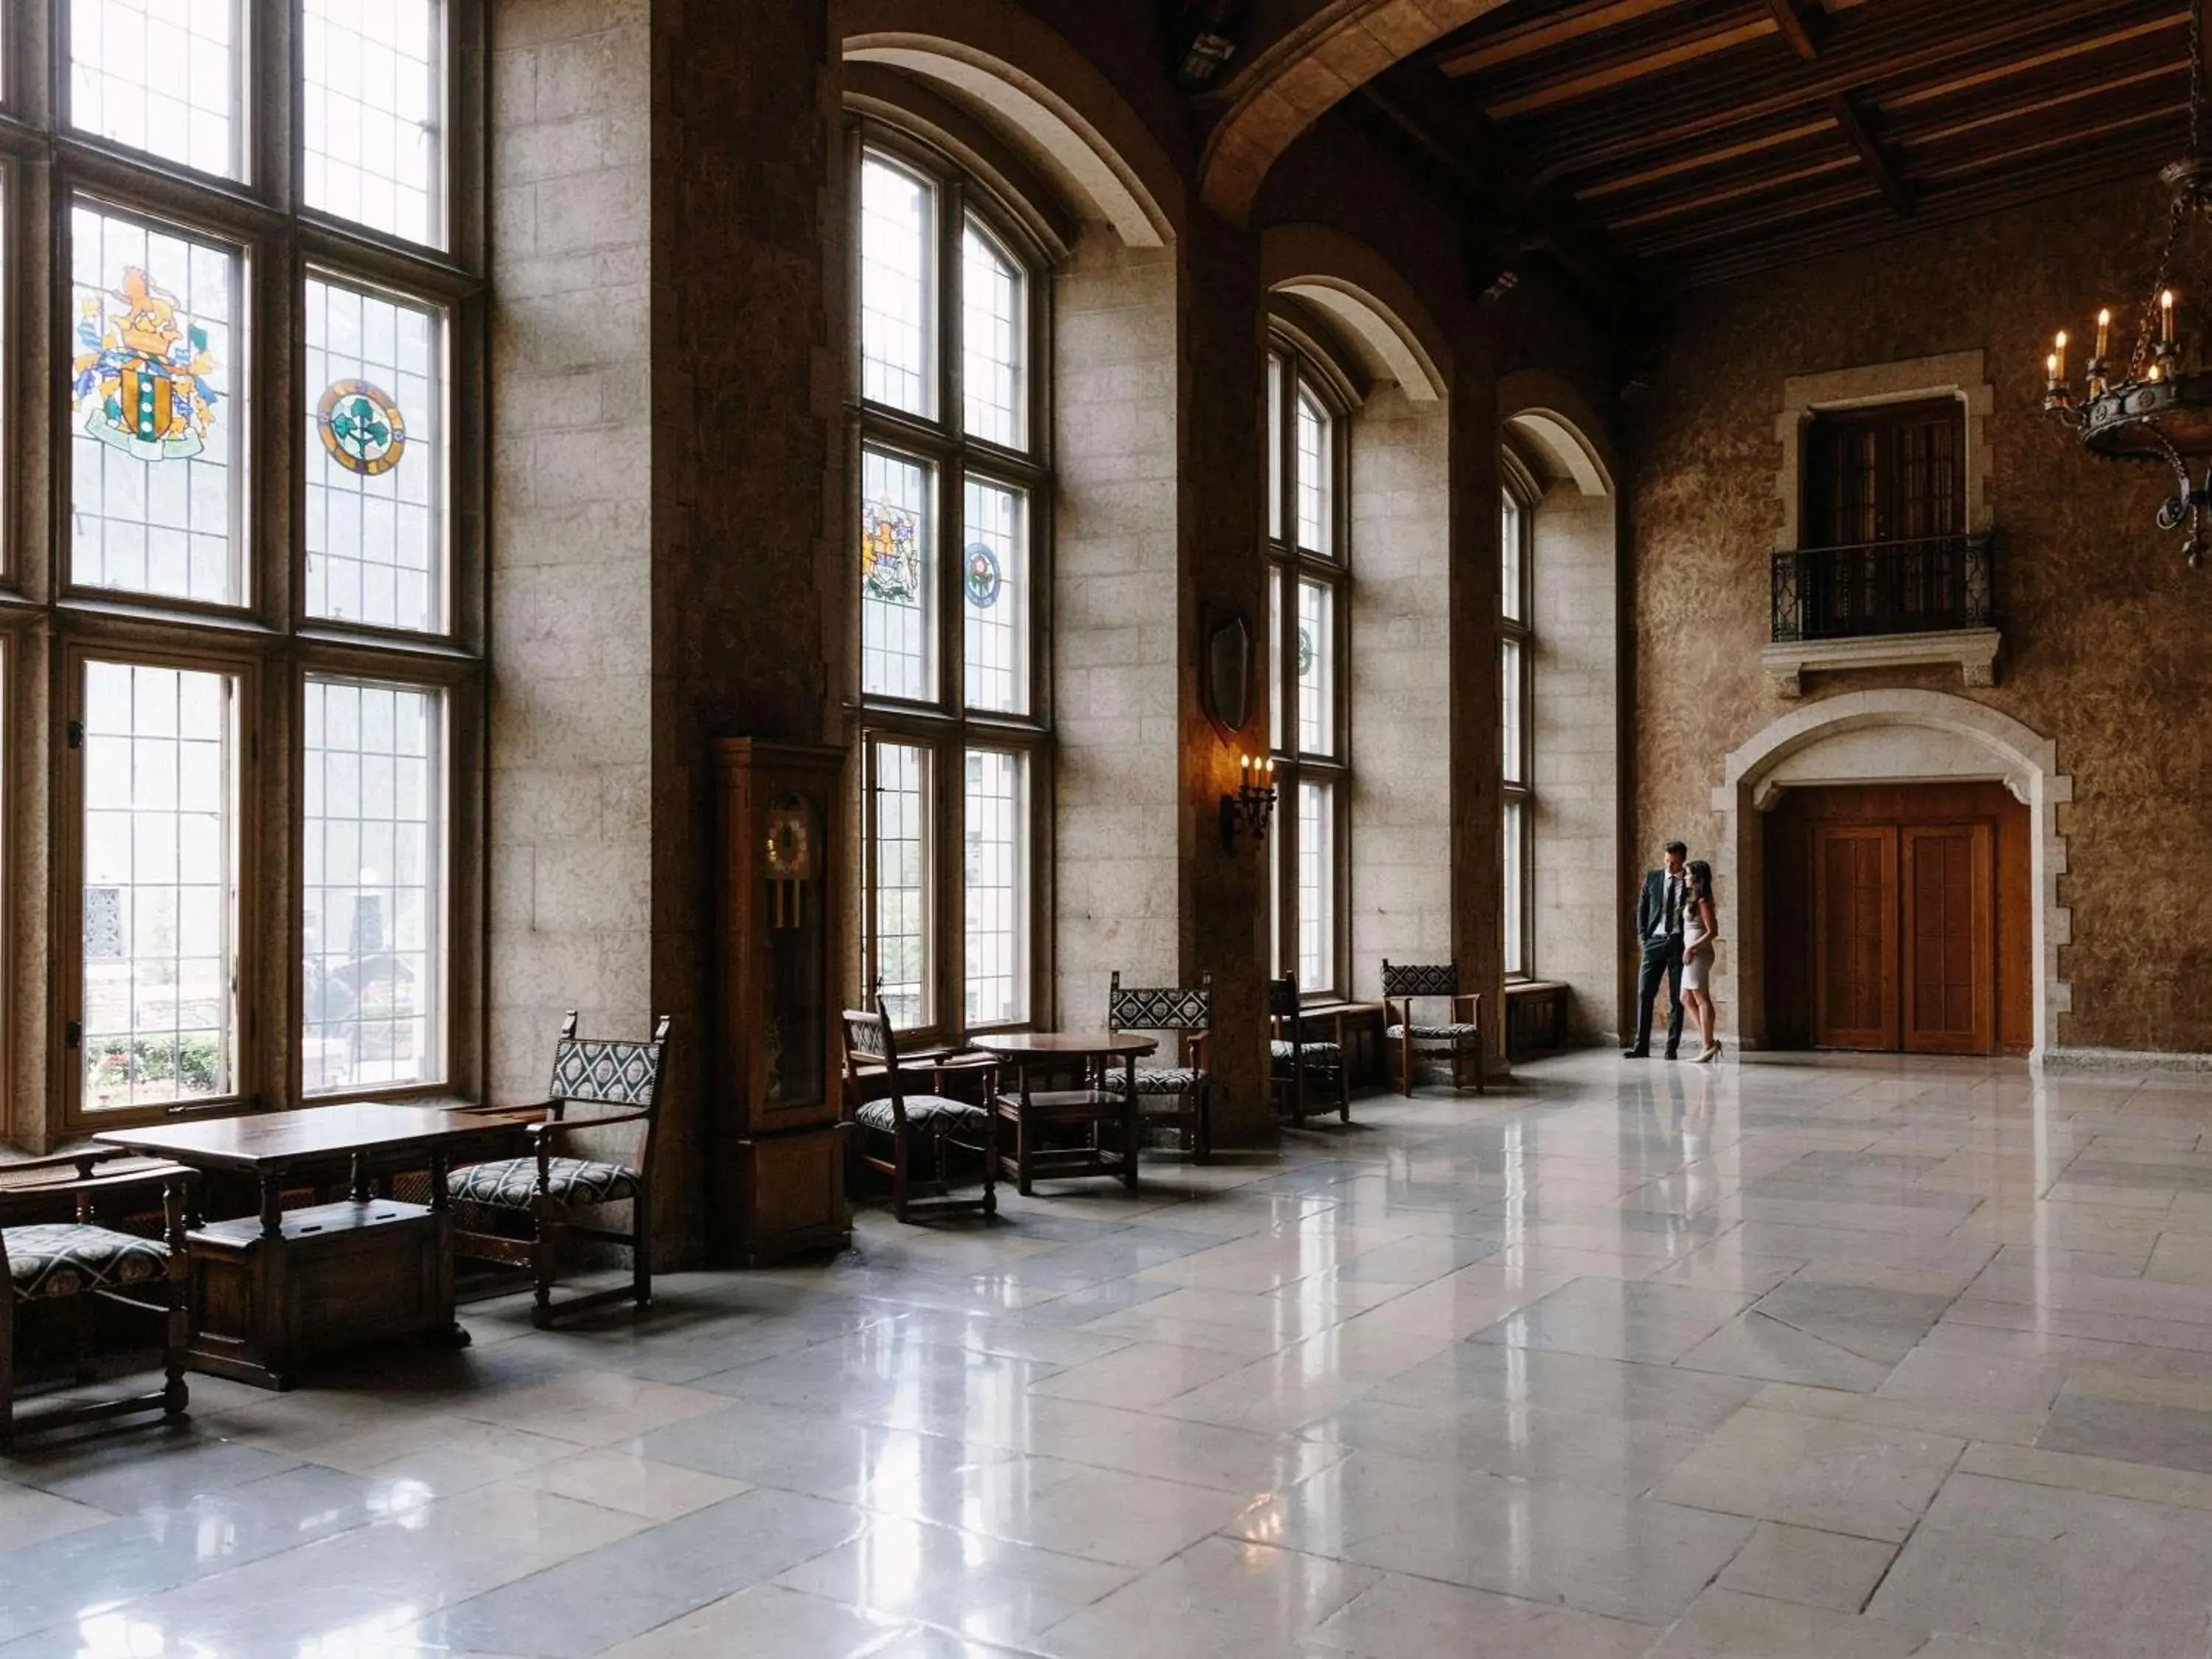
2065, 51
1635, 215
1752, 221
1542, 34
1865, 58
1853, 126
1703, 159
2043, 101
1802, 30
1586, 79
2067, 139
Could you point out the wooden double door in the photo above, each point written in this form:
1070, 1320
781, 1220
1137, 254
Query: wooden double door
1905, 938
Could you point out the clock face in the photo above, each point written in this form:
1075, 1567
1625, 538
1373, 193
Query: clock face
790, 840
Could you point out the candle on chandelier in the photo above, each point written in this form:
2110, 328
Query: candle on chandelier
2104, 334
2051, 369
2165, 316
2059, 357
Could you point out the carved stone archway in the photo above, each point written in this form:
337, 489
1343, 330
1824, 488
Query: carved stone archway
1893, 736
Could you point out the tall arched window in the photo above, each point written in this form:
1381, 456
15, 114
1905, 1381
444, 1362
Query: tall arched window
246, 254
1516, 658
1307, 633
953, 497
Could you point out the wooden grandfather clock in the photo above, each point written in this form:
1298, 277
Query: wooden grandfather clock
775, 1096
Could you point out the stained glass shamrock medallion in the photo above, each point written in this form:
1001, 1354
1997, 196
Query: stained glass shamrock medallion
1305, 651
890, 555
141, 373
984, 578
362, 428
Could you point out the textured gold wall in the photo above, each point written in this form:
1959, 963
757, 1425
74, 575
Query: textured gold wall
2106, 648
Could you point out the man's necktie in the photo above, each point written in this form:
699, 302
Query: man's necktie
1673, 906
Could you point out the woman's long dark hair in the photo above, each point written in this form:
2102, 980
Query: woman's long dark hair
1701, 879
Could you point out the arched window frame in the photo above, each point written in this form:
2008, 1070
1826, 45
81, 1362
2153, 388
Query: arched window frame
1314, 942
1518, 495
915, 750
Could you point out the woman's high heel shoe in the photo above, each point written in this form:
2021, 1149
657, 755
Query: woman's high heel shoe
1711, 1054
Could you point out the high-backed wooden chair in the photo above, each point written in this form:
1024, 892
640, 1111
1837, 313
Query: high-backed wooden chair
617, 1082
1453, 1038
1172, 1011
57, 1243
872, 1061
1293, 1058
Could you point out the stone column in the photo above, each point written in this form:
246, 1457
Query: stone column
1221, 500
1478, 828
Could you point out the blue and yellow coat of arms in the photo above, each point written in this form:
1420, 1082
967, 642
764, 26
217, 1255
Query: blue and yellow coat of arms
141, 373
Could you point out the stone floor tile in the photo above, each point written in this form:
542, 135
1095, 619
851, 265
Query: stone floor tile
1724, 1624
1813, 1569
2081, 1573
764, 1619
2129, 1432
1825, 1473
1753, 1345
1139, 1375
28, 1515
1401, 1618
1219, 1600
632, 1484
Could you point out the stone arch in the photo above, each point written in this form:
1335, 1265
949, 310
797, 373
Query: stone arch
1549, 410
1377, 310
1899, 736
1039, 93
1290, 84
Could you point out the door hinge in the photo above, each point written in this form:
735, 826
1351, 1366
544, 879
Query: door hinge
77, 734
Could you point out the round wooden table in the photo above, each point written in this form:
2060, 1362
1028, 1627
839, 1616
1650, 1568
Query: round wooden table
1028, 1109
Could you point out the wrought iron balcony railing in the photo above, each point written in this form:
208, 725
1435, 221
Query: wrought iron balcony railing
1920, 586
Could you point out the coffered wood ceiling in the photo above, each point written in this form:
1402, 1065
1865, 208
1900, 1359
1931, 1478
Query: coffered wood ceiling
1706, 139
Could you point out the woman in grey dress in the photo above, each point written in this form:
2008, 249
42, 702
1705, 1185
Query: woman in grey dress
1701, 931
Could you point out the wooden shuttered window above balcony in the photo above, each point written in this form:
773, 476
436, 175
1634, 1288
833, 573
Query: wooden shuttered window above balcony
1891, 472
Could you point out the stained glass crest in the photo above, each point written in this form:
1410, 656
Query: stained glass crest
890, 555
141, 371
361, 427
983, 577
1305, 651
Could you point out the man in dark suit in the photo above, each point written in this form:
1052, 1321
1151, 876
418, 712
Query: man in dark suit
1659, 910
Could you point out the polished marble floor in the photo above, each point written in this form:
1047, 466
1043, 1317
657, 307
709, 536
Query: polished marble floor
1805, 1361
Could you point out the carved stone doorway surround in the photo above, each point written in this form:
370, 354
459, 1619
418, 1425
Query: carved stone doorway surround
1893, 736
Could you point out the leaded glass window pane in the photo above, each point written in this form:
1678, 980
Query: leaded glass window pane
163, 77
1269, 658
160, 895
156, 447
994, 599
994, 322
371, 945
1316, 664
997, 888
1317, 887
898, 847
1278, 370
897, 578
898, 283
1313, 463
1513, 714
375, 458
1509, 599
371, 149
1517, 945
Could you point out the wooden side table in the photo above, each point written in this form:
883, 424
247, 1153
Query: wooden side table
1097, 1109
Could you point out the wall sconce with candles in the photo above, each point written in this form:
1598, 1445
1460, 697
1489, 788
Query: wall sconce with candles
1247, 812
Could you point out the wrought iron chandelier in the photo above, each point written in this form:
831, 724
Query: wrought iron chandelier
2157, 404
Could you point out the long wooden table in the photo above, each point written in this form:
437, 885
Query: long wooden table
279, 1290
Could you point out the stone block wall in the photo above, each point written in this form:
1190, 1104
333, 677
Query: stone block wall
2103, 654
570, 900
1401, 689
1575, 738
1114, 620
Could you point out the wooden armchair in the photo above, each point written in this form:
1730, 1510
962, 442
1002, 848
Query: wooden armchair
1453, 1038
594, 1073
1169, 1010
54, 1246
871, 1059
1292, 1057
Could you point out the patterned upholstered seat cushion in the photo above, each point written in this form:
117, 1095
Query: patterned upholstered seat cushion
65, 1259
1316, 1053
930, 1112
1454, 1033
512, 1184
1158, 1080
